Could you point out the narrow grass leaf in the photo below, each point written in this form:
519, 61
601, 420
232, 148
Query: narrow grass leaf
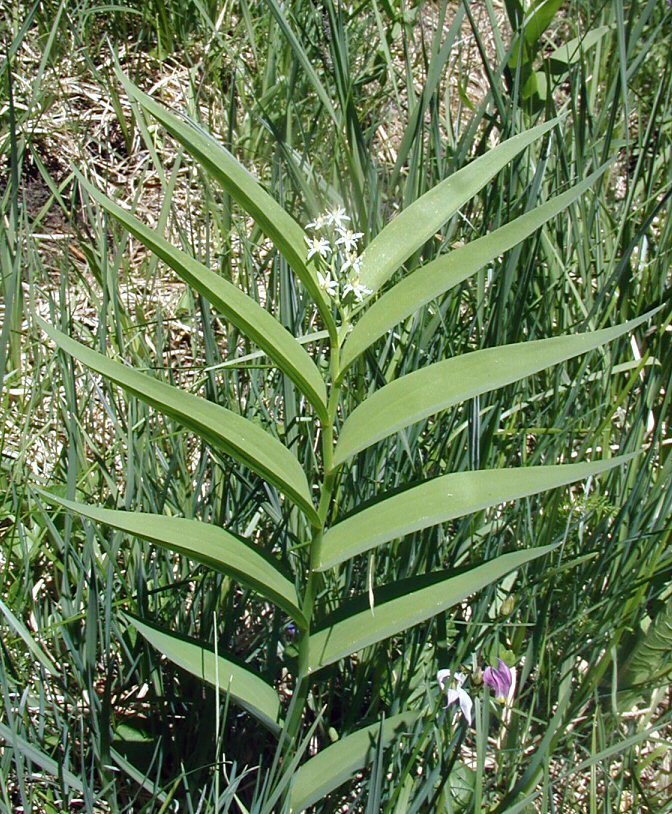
413, 227
434, 388
412, 601
435, 278
202, 542
253, 320
287, 235
39, 758
443, 499
340, 761
244, 687
34, 648
224, 429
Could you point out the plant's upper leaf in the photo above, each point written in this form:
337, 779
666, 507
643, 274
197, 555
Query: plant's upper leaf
245, 687
272, 219
205, 543
446, 498
235, 435
413, 227
434, 388
435, 278
253, 320
411, 601
339, 762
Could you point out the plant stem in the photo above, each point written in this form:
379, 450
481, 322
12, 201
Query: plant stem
313, 577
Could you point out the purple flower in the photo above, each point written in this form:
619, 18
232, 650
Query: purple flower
502, 680
456, 693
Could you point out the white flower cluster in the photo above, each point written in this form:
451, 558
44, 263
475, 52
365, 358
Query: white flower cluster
339, 255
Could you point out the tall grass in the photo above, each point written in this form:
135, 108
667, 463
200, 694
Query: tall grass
368, 108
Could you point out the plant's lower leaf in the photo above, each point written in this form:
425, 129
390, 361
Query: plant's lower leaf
246, 688
446, 498
235, 435
405, 604
207, 544
340, 761
429, 390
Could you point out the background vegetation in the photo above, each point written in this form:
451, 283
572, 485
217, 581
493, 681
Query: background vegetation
365, 106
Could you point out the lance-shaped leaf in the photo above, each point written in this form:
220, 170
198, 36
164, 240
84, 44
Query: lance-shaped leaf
443, 499
405, 604
253, 320
286, 234
339, 762
207, 544
245, 687
434, 388
221, 428
572, 52
413, 227
435, 278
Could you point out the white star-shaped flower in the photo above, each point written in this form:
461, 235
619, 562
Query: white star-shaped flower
327, 284
360, 292
348, 239
318, 245
337, 217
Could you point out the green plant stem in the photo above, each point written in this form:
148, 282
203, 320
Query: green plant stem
313, 577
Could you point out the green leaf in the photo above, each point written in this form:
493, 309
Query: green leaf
405, 604
340, 761
434, 388
207, 544
571, 52
253, 320
446, 498
435, 278
220, 427
272, 219
650, 662
539, 20
245, 687
36, 756
413, 227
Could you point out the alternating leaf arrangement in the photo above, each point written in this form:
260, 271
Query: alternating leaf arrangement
332, 542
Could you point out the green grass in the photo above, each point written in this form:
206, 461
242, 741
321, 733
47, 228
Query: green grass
369, 109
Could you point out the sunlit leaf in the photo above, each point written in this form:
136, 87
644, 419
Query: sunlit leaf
429, 390
413, 227
446, 498
405, 604
224, 429
202, 542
